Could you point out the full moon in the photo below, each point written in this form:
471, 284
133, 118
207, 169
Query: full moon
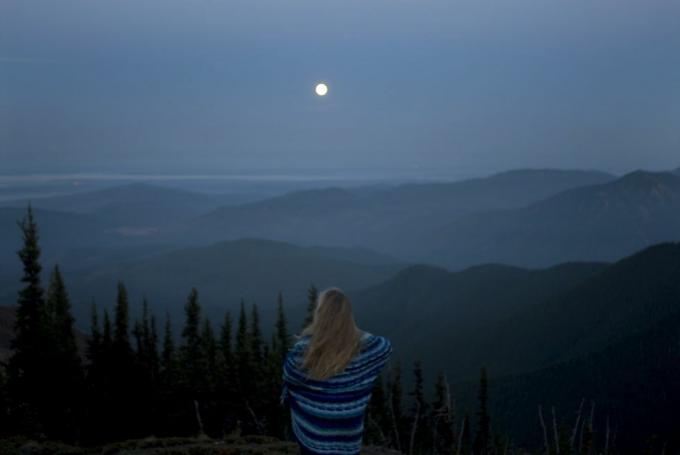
321, 89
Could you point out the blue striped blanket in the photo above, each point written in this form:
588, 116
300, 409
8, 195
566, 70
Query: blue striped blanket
328, 416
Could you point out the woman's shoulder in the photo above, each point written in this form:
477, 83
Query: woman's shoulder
300, 344
374, 344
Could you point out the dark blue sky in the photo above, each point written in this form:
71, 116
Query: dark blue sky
226, 86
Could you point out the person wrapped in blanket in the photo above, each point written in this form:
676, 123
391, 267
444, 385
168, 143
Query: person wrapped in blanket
328, 378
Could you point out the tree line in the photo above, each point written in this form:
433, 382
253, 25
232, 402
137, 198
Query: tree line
126, 380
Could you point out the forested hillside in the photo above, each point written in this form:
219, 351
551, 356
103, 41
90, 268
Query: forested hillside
581, 332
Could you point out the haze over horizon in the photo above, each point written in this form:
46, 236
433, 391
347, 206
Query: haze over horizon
420, 87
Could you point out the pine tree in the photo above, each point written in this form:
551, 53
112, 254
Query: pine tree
107, 337
465, 437
419, 425
442, 417
242, 350
481, 443
5, 426
123, 373
147, 369
377, 415
258, 369
312, 297
255, 337
227, 386
280, 344
96, 428
95, 341
209, 344
168, 361
282, 337
398, 423
225, 344
66, 378
193, 361
27, 366
210, 402
172, 408
121, 336
151, 343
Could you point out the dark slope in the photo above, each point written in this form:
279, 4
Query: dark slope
628, 297
59, 231
431, 313
514, 320
223, 273
634, 383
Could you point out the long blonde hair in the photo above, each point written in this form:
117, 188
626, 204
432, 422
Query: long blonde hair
335, 338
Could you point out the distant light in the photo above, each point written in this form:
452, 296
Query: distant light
321, 89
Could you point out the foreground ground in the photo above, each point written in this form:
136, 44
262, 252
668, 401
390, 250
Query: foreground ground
254, 445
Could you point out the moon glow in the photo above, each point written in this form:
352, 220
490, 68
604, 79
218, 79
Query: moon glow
321, 89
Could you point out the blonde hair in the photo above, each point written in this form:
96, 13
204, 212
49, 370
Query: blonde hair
335, 339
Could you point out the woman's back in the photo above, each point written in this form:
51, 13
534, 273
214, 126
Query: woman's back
328, 415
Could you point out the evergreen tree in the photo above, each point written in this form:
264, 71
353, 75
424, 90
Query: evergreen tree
27, 366
171, 408
193, 360
398, 423
282, 337
151, 343
147, 369
95, 426
66, 379
227, 372
168, 353
5, 427
63, 328
255, 337
377, 415
210, 402
121, 336
123, 373
481, 443
280, 343
209, 351
107, 337
419, 424
465, 437
256, 401
226, 345
242, 350
95, 341
443, 417
312, 297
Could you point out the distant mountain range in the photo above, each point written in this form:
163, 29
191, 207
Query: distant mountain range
391, 219
524, 218
136, 205
599, 222
382, 218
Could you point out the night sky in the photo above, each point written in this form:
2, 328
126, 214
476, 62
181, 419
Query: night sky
226, 86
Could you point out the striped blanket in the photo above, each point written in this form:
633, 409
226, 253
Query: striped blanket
328, 416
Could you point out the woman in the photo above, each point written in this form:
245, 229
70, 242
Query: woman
328, 378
